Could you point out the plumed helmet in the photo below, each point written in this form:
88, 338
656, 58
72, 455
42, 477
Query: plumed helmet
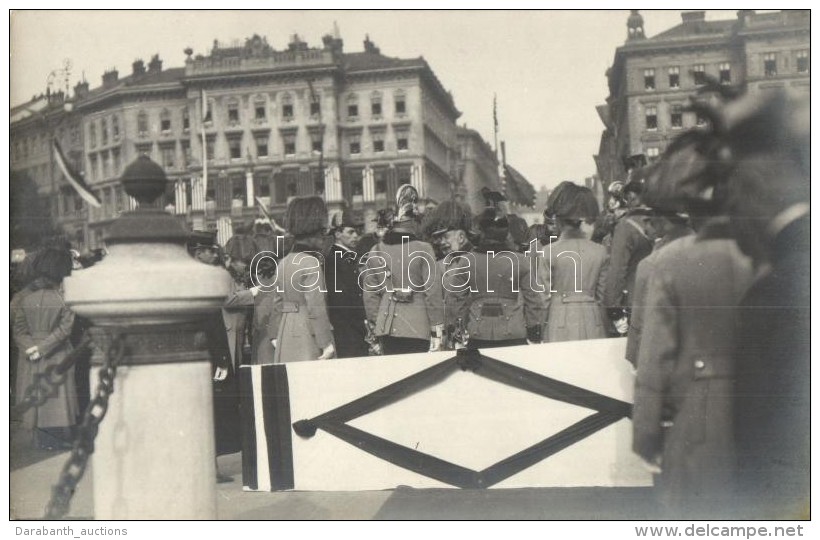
407, 198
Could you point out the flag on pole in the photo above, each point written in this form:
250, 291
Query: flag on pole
275, 226
495, 113
73, 176
206, 117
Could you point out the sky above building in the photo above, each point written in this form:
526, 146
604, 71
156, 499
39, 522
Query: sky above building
547, 68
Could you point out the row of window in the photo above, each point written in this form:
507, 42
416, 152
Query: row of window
106, 137
38, 144
675, 117
261, 143
103, 165
698, 72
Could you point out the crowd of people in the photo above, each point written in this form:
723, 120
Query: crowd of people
700, 259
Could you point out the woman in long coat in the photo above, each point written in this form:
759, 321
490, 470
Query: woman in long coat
42, 327
299, 306
574, 270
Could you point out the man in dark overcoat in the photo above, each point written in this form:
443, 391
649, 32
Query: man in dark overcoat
345, 306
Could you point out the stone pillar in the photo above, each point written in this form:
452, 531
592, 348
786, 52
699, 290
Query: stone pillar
155, 455
249, 188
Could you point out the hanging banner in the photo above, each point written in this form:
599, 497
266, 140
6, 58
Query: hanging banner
550, 415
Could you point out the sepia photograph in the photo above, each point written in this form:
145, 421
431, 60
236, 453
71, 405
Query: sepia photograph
410, 265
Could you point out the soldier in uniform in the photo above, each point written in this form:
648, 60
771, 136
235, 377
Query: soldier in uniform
345, 306
669, 226
402, 285
632, 240
450, 228
299, 310
492, 289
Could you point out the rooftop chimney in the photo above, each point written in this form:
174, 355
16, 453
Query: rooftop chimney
369, 46
110, 77
692, 16
138, 67
81, 90
155, 65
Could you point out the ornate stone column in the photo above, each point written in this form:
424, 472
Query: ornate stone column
154, 456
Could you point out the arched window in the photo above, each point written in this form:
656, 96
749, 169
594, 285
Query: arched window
115, 128
400, 102
92, 134
104, 131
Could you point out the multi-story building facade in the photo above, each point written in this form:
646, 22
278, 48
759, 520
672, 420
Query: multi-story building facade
246, 122
652, 79
478, 167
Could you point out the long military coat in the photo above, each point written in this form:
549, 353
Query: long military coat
630, 244
388, 270
299, 307
40, 317
686, 365
574, 271
492, 293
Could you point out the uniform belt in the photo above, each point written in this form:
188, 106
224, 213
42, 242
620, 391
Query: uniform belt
577, 299
494, 296
289, 307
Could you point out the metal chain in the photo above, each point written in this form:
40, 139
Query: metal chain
45, 385
83, 447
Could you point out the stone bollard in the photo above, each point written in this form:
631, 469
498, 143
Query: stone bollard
154, 454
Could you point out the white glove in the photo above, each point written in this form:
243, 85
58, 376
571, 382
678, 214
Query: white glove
33, 353
274, 342
220, 374
328, 352
622, 325
436, 337
653, 466
254, 291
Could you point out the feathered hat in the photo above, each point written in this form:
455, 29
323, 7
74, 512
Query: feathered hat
573, 202
306, 216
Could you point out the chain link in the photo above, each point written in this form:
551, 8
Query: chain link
45, 385
83, 447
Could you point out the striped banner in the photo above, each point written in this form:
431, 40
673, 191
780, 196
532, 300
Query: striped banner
181, 196
526, 417
417, 179
368, 186
197, 194
333, 184
267, 455
224, 230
